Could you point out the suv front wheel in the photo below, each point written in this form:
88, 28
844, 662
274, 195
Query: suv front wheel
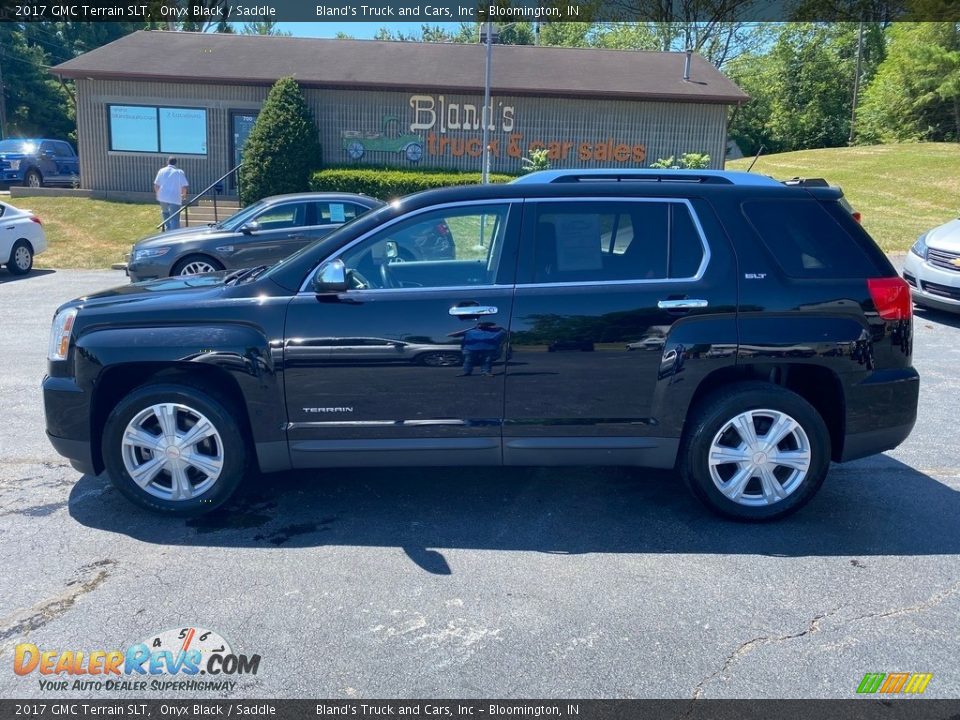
755, 452
174, 449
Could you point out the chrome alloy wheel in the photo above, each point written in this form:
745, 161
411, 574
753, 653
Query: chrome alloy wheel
196, 267
172, 451
21, 258
759, 457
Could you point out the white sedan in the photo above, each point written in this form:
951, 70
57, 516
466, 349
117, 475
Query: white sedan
21, 237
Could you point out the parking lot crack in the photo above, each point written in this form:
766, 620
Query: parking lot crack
746, 647
89, 578
931, 602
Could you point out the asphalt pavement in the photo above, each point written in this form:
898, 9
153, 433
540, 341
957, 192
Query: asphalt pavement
470, 583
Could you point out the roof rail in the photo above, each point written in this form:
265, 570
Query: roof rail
704, 177
807, 182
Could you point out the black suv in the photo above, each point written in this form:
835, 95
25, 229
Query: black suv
741, 331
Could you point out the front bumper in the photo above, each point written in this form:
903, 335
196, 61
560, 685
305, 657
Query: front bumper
67, 411
932, 286
140, 271
11, 177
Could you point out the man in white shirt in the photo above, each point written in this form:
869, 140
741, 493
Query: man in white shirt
170, 185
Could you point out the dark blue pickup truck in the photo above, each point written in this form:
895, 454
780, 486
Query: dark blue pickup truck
38, 162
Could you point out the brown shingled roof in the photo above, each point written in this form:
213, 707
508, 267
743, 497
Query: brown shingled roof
369, 64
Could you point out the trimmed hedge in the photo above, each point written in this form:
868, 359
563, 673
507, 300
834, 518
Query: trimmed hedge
389, 184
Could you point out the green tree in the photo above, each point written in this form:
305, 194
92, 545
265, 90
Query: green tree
801, 87
915, 94
265, 27
35, 102
282, 149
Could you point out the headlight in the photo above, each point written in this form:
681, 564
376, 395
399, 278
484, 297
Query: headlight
919, 248
14, 164
145, 253
60, 334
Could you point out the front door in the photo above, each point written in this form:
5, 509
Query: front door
607, 292
272, 235
408, 365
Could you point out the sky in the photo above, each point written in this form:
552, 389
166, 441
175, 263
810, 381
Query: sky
355, 29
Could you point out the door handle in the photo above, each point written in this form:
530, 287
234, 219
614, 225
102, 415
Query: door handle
471, 310
685, 304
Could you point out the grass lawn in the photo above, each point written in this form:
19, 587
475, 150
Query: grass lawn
89, 234
902, 190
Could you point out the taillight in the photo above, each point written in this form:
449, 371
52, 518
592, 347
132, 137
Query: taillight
35, 219
857, 216
891, 297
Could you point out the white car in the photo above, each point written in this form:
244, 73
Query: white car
932, 268
21, 237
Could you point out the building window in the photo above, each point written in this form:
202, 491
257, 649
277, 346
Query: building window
137, 128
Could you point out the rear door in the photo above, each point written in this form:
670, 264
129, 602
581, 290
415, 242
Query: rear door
617, 300
279, 233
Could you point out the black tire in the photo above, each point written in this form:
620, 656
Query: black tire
33, 178
711, 415
234, 450
184, 262
21, 258
439, 358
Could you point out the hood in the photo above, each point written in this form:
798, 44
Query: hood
176, 290
945, 237
171, 237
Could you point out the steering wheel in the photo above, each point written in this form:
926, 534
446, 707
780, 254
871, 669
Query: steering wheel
358, 281
385, 276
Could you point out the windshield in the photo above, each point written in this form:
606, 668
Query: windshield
359, 224
240, 217
18, 146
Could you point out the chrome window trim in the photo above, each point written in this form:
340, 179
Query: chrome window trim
701, 270
307, 283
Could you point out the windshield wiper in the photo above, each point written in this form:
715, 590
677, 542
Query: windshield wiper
244, 275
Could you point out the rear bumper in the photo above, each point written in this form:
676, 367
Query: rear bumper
872, 442
885, 412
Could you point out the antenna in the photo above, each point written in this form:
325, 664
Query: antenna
756, 157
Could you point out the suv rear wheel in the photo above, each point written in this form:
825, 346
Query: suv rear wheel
755, 452
175, 449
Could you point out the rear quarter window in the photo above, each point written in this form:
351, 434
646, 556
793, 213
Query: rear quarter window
806, 241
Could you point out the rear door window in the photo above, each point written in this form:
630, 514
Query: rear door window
806, 241
600, 241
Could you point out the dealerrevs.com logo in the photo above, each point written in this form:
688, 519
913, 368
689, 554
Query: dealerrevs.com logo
894, 683
189, 659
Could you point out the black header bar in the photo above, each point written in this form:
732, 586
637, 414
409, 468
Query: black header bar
437, 11
139, 709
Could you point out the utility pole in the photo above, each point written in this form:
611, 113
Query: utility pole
485, 115
3, 105
856, 84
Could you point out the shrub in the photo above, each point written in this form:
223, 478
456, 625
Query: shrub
538, 160
389, 184
687, 161
282, 148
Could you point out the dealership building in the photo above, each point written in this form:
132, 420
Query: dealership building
398, 104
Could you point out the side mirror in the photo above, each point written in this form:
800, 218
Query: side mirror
250, 228
330, 278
